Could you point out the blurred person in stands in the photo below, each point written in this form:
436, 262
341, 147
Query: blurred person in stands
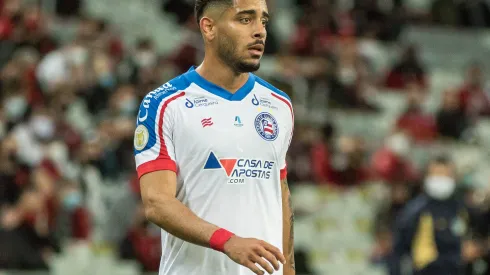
409, 69
473, 98
452, 122
68, 9
474, 13
371, 18
384, 221
24, 236
415, 121
348, 167
321, 153
316, 30
35, 135
353, 83
445, 13
432, 227
142, 242
391, 162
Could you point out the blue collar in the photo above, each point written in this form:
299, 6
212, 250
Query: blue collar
194, 77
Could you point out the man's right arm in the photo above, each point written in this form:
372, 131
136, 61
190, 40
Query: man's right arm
158, 190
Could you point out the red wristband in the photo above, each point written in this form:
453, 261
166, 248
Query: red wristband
219, 238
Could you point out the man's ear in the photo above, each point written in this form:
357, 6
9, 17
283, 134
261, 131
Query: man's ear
208, 28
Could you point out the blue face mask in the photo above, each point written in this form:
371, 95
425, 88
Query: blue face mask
107, 81
72, 200
128, 107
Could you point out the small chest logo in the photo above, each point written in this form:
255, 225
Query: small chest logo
238, 122
266, 126
207, 122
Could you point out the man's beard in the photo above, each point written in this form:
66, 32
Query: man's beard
227, 53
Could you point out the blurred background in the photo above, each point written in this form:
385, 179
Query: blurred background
380, 88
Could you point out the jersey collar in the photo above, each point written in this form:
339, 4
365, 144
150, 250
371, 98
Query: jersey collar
194, 77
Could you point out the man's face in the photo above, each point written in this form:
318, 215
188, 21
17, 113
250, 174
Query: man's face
241, 35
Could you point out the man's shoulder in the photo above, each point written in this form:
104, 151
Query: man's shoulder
164, 94
172, 87
275, 91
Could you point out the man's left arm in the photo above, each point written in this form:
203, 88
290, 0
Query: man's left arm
288, 229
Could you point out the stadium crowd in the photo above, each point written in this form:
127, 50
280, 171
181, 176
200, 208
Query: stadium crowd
68, 109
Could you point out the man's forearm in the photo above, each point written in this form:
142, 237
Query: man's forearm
288, 229
178, 220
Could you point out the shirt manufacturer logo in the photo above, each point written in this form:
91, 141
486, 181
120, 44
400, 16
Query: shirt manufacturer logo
238, 122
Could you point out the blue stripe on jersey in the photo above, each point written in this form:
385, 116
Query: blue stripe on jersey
147, 114
193, 76
272, 88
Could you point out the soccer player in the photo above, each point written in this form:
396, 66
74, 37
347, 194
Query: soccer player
210, 150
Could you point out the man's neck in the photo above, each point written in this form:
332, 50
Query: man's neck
216, 72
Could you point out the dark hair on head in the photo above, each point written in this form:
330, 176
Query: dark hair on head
201, 6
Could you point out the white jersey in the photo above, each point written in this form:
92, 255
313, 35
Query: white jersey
228, 151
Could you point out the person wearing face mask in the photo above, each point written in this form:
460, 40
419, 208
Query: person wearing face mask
431, 228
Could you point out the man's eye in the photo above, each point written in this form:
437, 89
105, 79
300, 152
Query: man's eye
265, 22
245, 20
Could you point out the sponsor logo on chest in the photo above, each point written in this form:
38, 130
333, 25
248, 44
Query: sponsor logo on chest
238, 170
200, 102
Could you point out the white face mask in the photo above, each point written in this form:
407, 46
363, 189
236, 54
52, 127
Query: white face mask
15, 107
145, 59
347, 76
439, 187
398, 144
42, 126
78, 55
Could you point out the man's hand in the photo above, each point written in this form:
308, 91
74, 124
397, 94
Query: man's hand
249, 252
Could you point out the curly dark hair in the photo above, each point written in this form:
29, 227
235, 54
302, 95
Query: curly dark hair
201, 6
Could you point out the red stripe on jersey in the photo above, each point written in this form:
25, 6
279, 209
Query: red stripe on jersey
287, 103
284, 172
163, 148
156, 165
163, 161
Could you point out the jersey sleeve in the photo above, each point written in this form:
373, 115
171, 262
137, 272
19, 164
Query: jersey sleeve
154, 147
285, 147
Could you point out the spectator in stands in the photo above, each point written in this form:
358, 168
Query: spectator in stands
69, 8
299, 161
384, 221
348, 167
316, 30
142, 243
445, 12
371, 19
474, 13
391, 162
409, 69
420, 125
432, 226
320, 154
473, 99
452, 122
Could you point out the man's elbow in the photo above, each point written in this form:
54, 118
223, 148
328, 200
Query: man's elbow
152, 207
